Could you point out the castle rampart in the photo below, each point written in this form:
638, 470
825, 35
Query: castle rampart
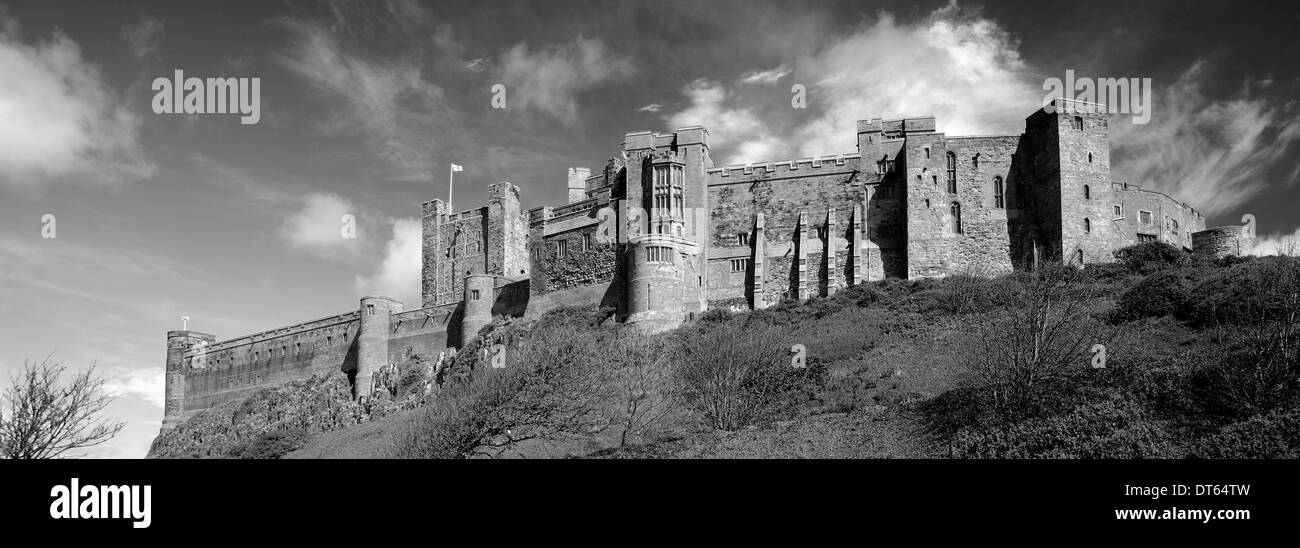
660, 234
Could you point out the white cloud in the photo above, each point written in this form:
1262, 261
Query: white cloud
318, 226
142, 36
476, 65
398, 275
1278, 244
147, 384
1211, 153
551, 79
60, 121
731, 128
770, 76
652, 107
964, 69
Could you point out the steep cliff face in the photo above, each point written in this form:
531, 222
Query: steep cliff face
276, 420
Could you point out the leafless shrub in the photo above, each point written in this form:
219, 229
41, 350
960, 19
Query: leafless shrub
554, 385
1013, 358
643, 380
729, 376
43, 418
1260, 371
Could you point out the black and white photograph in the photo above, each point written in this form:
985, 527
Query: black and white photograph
915, 241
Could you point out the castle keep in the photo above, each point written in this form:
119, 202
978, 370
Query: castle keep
660, 234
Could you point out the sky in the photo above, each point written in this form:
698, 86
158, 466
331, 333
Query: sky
364, 105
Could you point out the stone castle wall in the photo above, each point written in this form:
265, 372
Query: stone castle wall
741, 236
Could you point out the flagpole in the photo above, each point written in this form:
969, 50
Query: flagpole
451, 184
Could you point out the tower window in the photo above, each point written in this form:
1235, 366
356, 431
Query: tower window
474, 294
370, 310
1087, 192
955, 211
739, 265
927, 153
1078, 256
975, 161
1078, 124
658, 254
1119, 211
743, 237
1090, 157
999, 198
952, 173
1087, 226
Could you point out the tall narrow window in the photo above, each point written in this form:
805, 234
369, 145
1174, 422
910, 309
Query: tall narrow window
370, 310
1078, 256
1078, 123
744, 238
586, 242
952, 173
562, 248
1087, 226
999, 198
661, 189
1087, 192
1119, 211
975, 161
955, 213
678, 201
473, 294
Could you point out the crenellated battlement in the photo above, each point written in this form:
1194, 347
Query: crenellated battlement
788, 167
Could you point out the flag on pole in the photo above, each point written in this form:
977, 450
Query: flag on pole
455, 167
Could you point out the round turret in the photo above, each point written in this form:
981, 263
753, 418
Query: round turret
479, 296
372, 340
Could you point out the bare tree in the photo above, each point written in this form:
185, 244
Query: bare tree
643, 378
1014, 358
43, 418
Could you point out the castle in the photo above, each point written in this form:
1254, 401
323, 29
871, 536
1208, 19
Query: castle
660, 234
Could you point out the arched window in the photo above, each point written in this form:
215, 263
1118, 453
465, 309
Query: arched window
1078, 256
1087, 226
1090, 157
955, 212
999, 196
1087, 192
952, 173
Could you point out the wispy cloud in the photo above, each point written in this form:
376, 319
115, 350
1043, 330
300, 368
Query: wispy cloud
60, 120
770, 76
552, 78
142, 36
382, 97
652, 107
1210, 152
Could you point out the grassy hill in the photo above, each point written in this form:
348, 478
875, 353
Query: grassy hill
1202, 359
